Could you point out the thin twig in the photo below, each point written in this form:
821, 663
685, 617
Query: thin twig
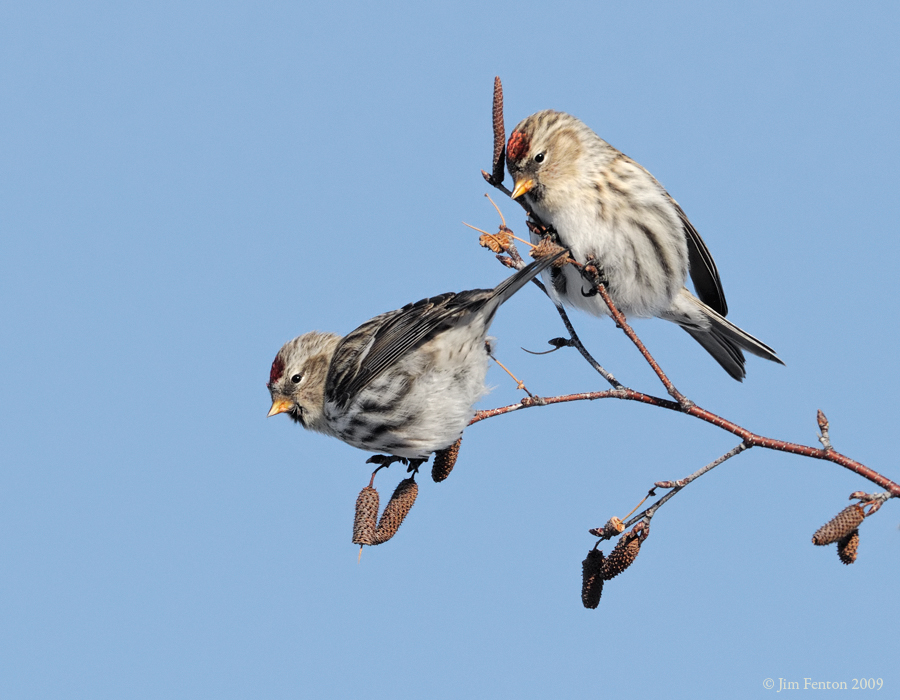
519, 383
576, 341
573, 336
619, 318
676, 486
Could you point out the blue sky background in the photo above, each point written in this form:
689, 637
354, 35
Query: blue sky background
186, 186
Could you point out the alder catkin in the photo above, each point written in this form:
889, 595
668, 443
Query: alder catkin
840, 525
591, 579
444, 461
847, 547
499, 131
366, 516
396, 509
622, 556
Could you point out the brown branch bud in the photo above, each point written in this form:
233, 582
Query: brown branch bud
536, 227
863, 496
532, 401
622, 556
444, 460
591, 579
872, 501
613, 527
823, 431
508, 261
366, 516
840, 525
396, 509
847, 547
874, 506
499, 133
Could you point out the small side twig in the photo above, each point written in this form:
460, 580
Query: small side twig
619, 318
676, 486
577, 344
519, 383
576, 341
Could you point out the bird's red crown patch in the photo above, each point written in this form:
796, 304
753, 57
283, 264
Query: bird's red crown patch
276, 371
518, 145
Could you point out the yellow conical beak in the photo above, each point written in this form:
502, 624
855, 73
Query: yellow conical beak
522, 186
279, 406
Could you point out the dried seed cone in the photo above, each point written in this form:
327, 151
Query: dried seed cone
444, 461
396, 509
548, 247
840, 525
847, 547
366, 516
592, 579
622, 556
497, 242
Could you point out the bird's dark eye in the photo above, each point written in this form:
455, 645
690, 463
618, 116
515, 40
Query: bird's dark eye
539, 158
296, 378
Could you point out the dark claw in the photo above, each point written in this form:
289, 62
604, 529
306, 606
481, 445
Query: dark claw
387, 460
539, 229
594, 275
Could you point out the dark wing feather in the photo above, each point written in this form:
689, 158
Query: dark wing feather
379, 343
703, 269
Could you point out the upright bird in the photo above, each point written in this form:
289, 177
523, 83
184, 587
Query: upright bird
605, 206
404, 383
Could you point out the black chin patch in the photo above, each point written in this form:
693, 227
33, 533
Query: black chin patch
296, 414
